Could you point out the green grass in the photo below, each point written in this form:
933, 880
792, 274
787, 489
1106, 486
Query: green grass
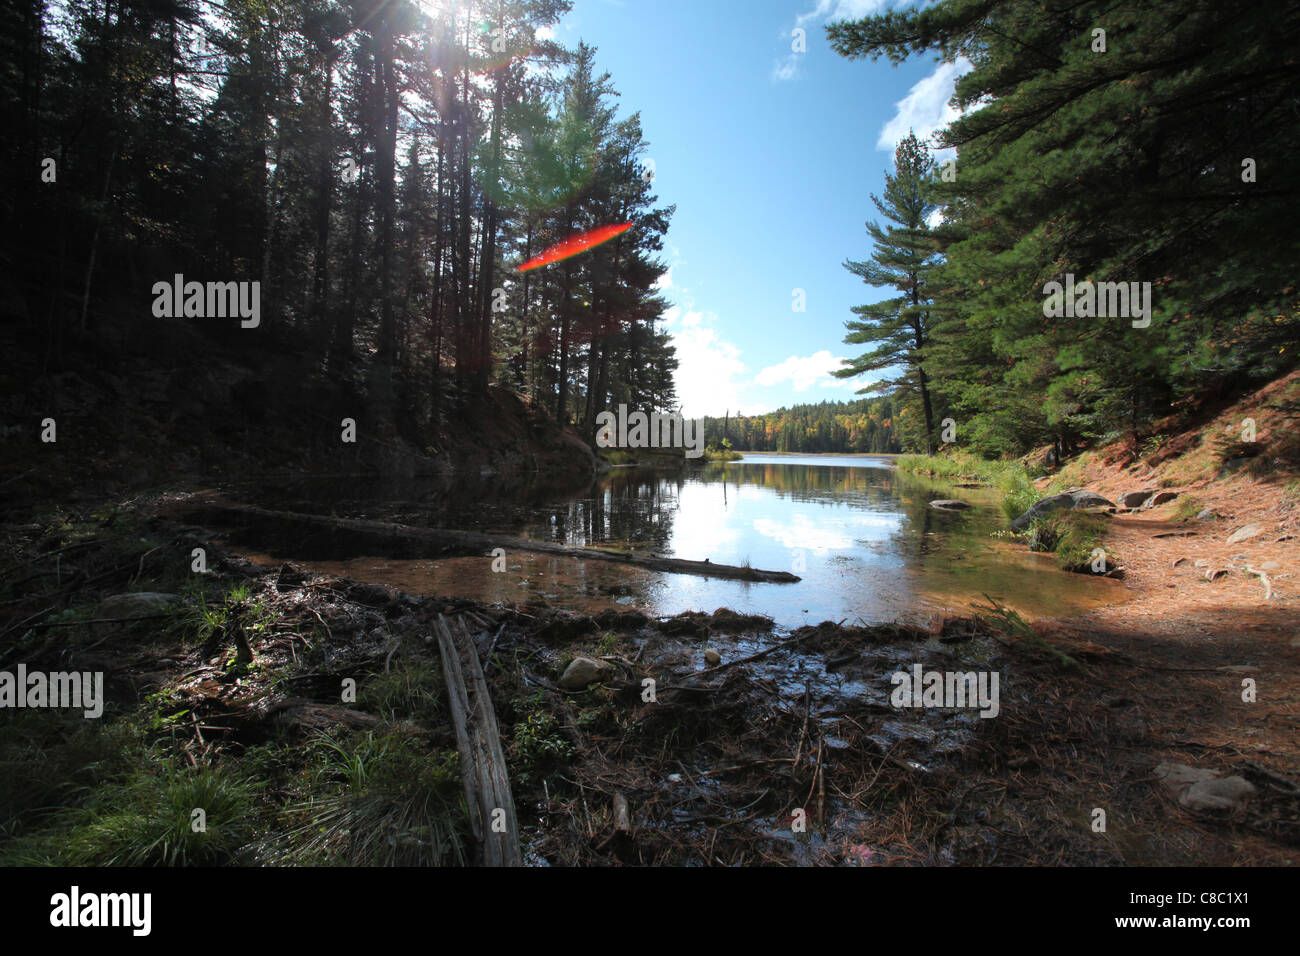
374, 800
1008, 477
409, 690
1071, 535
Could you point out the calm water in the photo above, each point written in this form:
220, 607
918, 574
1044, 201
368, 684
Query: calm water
860, 534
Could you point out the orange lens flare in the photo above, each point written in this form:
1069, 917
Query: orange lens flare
574, 245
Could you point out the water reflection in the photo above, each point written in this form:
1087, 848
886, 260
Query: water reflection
860, 534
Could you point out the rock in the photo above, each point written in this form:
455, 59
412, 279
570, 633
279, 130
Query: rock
583, 671
1230, 793
1176, 776
1207, 514
949, 504
289, 577
1134, 499
1076, 499
1245, 533
138, 604
1159, 498
712, 657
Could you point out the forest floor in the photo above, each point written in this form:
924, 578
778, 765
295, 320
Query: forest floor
787, 752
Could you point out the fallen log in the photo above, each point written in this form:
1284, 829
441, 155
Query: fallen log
483, 770
399, 540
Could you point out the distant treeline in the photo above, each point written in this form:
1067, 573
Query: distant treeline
866, 425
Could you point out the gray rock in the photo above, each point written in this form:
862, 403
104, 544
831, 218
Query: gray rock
712, 657
1077, 499
138, 604
1134, 499
1245, 533
1230, 793
1159, 498
1208, 514
583, 671
1176, 776
949, 504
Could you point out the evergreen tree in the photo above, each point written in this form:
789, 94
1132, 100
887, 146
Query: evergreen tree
903, 260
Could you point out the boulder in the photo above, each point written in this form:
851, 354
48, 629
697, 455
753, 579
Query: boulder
583, 671
949, 504
1227, 794
1159, 498
1206, 514
1134, 499
1076, 499
1177, 776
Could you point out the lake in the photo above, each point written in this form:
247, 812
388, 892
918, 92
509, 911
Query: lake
859, 533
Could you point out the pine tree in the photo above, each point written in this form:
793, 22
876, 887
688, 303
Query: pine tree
903, 260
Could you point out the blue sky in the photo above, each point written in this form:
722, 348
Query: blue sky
769, 156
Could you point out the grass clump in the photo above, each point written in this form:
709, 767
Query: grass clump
410, 690
375, 800
1071, 535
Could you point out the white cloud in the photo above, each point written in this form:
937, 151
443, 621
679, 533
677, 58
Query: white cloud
925, 108
707, 366
665, 281
544, 33
787, 68
801, 373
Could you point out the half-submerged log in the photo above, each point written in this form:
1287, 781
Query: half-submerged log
399, 540
483, 768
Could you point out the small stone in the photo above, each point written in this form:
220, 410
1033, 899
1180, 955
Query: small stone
1230, 793
583, 671
141, 604
1207, 514
1245, 533
712, 657
949, 504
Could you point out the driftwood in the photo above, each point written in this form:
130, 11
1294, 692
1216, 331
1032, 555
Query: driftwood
392, 539
482, 762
